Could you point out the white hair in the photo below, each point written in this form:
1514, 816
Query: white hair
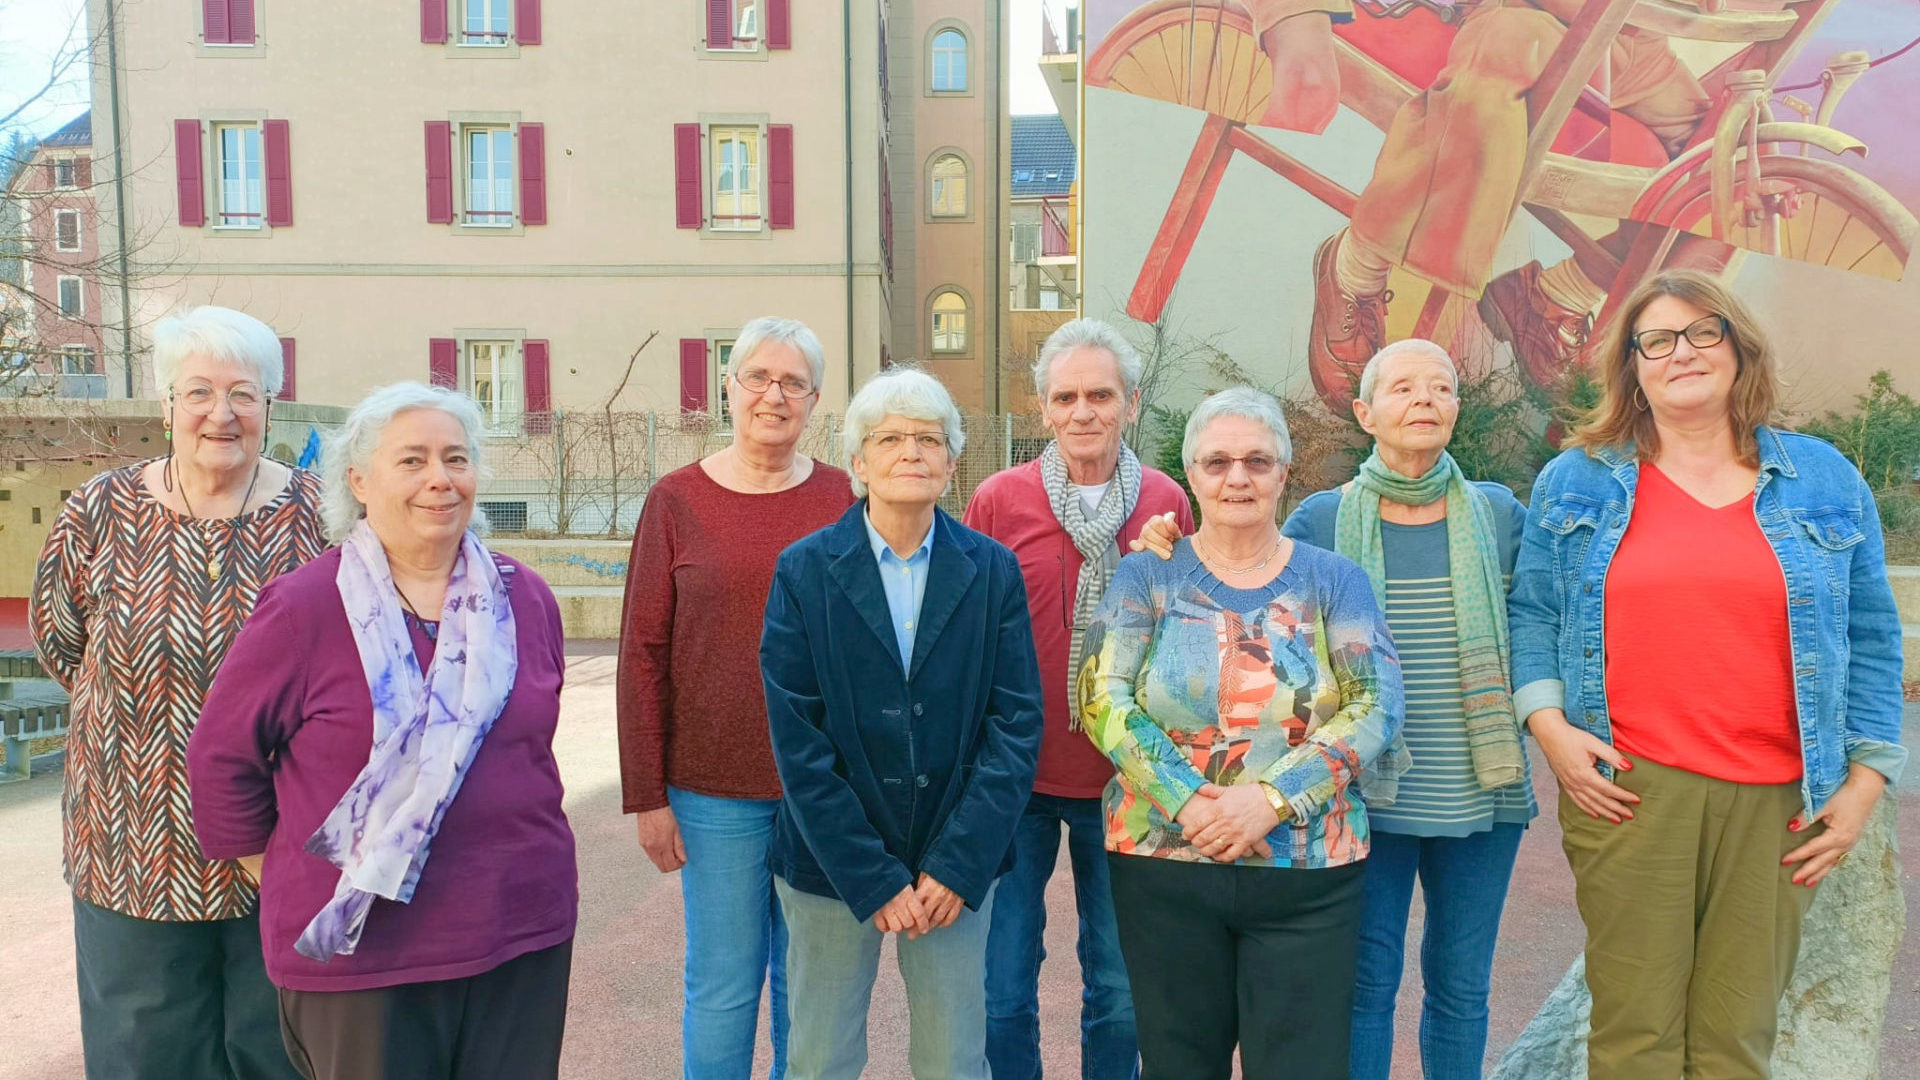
901, 391
774, 330
1371, 373
220, 334
1248, 404
1087, 334
353, 446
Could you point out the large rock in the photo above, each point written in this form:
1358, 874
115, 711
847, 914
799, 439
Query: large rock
1830, 1019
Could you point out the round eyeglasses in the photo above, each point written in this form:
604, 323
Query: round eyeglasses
200, 399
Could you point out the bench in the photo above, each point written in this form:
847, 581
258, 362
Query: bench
32, 709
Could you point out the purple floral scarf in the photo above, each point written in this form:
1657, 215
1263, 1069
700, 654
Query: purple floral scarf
426, 729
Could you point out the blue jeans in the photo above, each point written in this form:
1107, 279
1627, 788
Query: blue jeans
832, 960
1015, 947
1463, 882
736, 939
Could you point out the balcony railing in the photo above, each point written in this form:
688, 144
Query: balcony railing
1059, 28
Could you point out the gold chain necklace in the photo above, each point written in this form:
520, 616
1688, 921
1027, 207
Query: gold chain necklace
214, 562
1215, 561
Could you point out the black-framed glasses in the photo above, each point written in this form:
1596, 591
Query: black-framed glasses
1702, 333
755, 381
1221, 464
199, 399
893, 442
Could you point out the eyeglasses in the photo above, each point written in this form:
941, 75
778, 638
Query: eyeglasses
1221, 464
1701, 334
755, 381
199, 399
894, 442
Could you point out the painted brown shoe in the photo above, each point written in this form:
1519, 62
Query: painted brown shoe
1547, 338
1347, 330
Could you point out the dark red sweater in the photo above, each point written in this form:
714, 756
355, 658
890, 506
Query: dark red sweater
691, 710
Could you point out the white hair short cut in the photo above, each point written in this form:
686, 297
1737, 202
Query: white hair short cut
1248, 404
1087, 334
901, 391
1370, 375
353, 446
774, 330
220, 334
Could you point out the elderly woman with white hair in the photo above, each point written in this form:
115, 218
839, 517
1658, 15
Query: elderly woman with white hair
383, 732
1438, 551
146, 576
695, 763
1241, 689
904, 702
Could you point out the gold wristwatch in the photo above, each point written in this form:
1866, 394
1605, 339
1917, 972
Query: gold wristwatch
1276, 800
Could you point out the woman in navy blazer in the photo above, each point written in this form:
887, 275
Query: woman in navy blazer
904, 701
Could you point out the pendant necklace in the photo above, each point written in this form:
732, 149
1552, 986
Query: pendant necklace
431, 629
214, 562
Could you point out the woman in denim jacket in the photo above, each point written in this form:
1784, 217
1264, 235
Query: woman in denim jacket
1706, 647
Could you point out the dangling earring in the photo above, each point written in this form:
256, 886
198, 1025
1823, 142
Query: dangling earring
1639, 399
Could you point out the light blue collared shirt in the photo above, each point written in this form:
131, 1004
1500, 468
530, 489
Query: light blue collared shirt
906, 583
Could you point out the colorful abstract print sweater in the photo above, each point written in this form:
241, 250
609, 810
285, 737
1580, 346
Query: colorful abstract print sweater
1189, 681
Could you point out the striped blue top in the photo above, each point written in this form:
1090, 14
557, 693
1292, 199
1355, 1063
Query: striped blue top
1439, 795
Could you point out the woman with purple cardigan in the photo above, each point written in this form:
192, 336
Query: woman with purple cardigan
382, 731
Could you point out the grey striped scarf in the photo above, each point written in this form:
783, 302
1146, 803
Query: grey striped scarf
1097, 540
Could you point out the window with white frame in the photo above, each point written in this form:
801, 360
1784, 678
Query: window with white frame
742, 19
948, 64
736, 177
494, 382
489, 176
76, 360
66, 230
485, 22
239, 187
1049, 298
746, 24
949, 322
949, 195
722, 353
70, 298
63, 173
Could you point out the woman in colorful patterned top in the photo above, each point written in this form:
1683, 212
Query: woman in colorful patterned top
146, 577
1241, 688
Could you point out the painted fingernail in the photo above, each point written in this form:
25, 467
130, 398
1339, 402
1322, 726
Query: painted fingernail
1794, 825
1626, 765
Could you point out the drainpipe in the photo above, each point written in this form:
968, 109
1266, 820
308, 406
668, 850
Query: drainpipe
120, 194
996, 247
846, 35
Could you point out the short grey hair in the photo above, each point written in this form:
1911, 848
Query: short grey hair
1371, 373
901, 391
1087, 334
353, 446
220, 334
774, 330
1246, 403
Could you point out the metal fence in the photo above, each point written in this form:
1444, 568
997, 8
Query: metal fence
586, 474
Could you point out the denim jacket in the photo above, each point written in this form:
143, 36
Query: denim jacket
1818, 516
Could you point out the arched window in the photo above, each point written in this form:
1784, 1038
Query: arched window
947, 67
948, 197
949, 322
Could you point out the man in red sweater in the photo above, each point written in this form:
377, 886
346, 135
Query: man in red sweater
1068, 516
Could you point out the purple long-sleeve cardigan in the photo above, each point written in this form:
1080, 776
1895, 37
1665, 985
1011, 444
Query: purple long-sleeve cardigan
287, 727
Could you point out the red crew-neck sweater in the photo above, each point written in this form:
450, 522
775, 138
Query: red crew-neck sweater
1699, 661
691, 709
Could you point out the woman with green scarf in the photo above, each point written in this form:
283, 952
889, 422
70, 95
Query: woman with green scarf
1450, 799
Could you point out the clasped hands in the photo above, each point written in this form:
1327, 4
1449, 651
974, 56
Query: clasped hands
1226, 824
920, 908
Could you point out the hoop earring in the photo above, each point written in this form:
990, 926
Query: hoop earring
1639, 399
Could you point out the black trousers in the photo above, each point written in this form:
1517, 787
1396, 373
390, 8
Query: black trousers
174, 1000
1255, 955
504, 1024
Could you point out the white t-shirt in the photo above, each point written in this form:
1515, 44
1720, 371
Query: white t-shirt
1090, 496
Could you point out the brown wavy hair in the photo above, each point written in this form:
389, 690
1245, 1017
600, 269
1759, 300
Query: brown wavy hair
1619, 423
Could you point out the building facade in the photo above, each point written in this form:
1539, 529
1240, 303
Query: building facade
51, 305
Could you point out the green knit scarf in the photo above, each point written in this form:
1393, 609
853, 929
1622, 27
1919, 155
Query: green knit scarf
1479, 595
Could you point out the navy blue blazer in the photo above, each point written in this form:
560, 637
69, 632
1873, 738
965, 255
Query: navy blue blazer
893, 769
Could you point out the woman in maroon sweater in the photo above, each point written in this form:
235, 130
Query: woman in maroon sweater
695, 761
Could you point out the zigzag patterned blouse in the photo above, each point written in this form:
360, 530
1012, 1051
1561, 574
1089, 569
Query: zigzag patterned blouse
133, 609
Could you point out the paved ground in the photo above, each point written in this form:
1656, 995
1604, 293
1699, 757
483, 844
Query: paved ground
624, 1018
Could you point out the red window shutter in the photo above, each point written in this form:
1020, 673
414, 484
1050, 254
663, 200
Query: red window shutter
186, 173
688, 210
538, 403
779, 24
693, 374
214, 26
526, 21
276, 145
780, 176
443, 362
439, 172
433, 22
83, 172
240, 22
719, 24
286, 369
533, 174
